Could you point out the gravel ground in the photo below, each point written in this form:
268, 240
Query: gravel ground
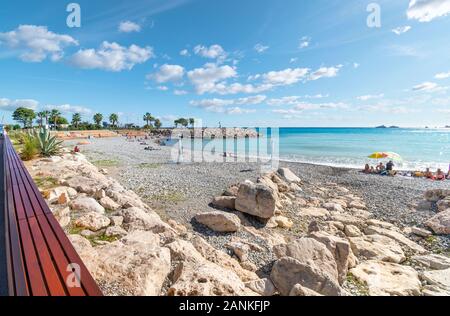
180, 191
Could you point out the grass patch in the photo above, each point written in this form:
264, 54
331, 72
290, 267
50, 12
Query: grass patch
362, 288
106, 163
149, 165
46, 182
171, 197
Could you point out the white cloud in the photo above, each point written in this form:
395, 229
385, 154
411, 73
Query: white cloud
325, 72
293, 60
238, 110
128, 27
208, 103
206, 79
401, 29
356, 65
285, 77
442, 75
112, 57
317, 96
260, 48
11, 105
290, 100
185, 53
301, 107
70, 109
428, 10
429, 87
370, 97
36, 43
212, 52
162, 88
180, 92
304, 42
167, 73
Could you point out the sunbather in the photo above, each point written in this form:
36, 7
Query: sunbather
381, 169
440, 175
366, 168
429, 174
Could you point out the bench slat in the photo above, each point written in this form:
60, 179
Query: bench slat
19, 286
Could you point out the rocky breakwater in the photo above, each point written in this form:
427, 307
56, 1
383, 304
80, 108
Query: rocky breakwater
324, 240
126, 246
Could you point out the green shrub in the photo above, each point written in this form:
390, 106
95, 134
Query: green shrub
30, 148
48, 145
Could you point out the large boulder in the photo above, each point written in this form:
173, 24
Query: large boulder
388, 279
377, 247
136, 268
263, 287
256, 199
444, 204
313, 256
340, 248
83, 184
109, 203
224, 202
219, 221
288, 272
86, 204
135, 218
439, 278
432, 261
288, 176
93, 221
412, 246
440, 223
206, 279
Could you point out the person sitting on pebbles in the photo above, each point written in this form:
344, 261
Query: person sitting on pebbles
381, 169
440, 175
366, 169
390, 168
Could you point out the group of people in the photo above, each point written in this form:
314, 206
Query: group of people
439, 175
388, 170
381, 169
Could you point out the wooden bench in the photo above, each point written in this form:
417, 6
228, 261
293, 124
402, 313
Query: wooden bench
40, 259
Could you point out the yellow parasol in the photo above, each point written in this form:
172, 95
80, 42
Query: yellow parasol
384, 155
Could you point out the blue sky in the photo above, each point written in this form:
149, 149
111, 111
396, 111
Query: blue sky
241, 63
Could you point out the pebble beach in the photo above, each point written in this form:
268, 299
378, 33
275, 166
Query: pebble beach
180, 191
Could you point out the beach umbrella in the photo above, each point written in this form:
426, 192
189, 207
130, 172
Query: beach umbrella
393, 156
378, 155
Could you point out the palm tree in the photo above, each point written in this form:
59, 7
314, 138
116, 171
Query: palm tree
46, 114
41, 116
113, 119
98, 117
176, 122
76, 119
148, 118
158, 123
54, 116
192, 122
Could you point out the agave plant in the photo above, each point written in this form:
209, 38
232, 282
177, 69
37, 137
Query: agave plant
48, 145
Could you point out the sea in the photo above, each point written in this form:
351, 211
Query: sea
344, 147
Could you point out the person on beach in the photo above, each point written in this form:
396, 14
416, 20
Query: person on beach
381, 168
390, 168
366, 169
440, 175
429, 174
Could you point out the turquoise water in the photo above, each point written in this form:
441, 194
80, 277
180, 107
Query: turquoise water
349, 147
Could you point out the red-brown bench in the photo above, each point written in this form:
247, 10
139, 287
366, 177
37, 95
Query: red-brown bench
40, 259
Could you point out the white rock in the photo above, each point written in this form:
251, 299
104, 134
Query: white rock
137, 219
258, 200
433, 261
334, 207
116, 220
313, 212
288, 176
86, 204
377, 247
440, 223
263, 287
388, 279
219, 221
373, 230
421, 232
239, 249
440, 278
352, 231
93, 221
115, 231
299, 290
283, 222
109, 204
